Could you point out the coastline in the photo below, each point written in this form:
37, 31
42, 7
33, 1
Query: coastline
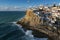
33, 22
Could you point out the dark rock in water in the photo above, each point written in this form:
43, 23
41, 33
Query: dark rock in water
39, 34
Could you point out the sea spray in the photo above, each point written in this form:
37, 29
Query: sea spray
29, 34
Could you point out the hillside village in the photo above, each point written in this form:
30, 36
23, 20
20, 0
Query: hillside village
42, 15
48, 14
44, 20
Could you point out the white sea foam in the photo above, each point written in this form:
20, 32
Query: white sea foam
29, 33
14, 23
18, 25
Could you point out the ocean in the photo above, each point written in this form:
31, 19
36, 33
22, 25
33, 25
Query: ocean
9, 30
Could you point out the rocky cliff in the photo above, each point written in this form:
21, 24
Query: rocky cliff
30, 18
32, 22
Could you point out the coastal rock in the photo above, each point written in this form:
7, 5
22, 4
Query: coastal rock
32, 22
30, 18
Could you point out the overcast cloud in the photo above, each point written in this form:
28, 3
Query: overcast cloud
12, 8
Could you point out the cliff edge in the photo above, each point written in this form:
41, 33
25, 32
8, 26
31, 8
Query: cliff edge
32, 22
30, 18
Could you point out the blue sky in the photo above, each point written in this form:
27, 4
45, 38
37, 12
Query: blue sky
23, 4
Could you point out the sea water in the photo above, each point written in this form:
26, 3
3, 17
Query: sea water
9, 30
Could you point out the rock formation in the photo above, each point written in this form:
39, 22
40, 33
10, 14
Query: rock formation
32, 22
31, 18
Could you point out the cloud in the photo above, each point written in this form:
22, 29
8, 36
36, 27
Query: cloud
12, 8
59, 3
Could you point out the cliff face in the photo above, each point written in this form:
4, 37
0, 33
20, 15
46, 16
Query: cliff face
30, 18
32, 21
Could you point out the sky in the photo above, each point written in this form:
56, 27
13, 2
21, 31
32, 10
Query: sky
20, 5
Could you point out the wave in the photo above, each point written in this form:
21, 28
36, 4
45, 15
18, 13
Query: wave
13, 31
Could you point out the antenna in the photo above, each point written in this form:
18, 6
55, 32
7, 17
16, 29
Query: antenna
54, 5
